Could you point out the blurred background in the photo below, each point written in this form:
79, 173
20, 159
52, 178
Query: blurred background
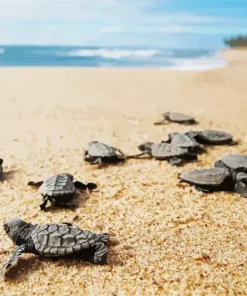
181, 34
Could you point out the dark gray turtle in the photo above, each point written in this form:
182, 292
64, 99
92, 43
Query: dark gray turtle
60, 189
234, 163
241, 184
56, 241
208, 180
99, 153
212, 137
1, 169
177, 117
176, 155
184, 141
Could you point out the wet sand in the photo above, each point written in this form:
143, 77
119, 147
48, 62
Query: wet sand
172, 240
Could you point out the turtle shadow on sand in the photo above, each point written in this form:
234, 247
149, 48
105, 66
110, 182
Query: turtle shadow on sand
22, 270
25, 267
78, 200
107, 164
8, 175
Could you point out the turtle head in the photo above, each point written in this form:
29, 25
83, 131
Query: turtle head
13, 227
69, 176
1, 161
145, 146
92, 143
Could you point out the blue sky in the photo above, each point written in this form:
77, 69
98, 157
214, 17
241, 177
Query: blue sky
166, 23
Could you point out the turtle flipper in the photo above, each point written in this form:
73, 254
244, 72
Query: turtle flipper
101, 253
35, 184
43, 205
143, 153
199, 188
83, 186
13, 259
67, 204
233, 143
69, 224
80, 185
97, 161
119, 151
176, 161
159, 122
85, 154
91, 186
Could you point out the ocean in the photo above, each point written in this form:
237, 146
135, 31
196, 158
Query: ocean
82, 56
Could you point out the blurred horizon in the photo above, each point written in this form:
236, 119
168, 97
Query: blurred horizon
115, 23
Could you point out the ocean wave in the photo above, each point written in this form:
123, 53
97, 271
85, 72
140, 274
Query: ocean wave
110, 53
202, 63
2, 50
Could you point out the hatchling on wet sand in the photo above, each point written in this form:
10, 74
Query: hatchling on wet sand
60, 190
55, 241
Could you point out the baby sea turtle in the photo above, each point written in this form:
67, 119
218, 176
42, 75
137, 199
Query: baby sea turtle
55, 240
60, 189
236, 164
177, 117
176, 155
184, 141
241, 184
1, 169
208, 180
99, 153
212, 137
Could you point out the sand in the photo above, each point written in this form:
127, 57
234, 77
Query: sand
168, 239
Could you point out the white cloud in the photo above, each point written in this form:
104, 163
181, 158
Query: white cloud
108, 10
65, 9
93, 22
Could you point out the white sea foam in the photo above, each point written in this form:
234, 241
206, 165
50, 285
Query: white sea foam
198, 64
2, 50
110, 53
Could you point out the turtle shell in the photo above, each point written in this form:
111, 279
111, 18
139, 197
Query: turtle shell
178, 117
97, 149
53, 240
165, 150
58, 185
183, 140
206, 177
213, 137
233, 162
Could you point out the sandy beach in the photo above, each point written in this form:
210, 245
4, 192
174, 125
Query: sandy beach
169, 239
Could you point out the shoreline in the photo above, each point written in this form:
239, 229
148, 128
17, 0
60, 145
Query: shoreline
171, 59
